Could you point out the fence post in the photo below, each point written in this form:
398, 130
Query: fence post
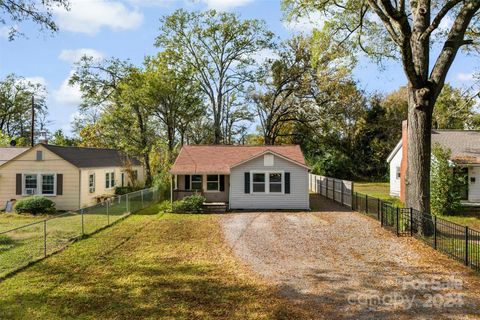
366, 203
108, 212
411, 221
128, 204
319, 182
341, 197
378, 208
398, 225
141, 193
466, 246
44, 238
83, 229
435, 232
381, 215
351, 193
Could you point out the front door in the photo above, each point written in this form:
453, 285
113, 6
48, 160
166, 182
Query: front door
462, 182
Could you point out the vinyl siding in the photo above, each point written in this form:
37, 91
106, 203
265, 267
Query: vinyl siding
51, 163
474, 187
394, 182
297, 199
87, 198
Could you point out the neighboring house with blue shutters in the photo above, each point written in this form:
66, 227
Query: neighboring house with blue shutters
243, 177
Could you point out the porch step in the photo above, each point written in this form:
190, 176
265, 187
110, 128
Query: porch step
215, 207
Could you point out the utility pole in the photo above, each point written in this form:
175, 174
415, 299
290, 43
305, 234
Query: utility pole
33, 122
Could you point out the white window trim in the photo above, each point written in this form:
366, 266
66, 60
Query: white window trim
39, 184
267, 181
191, 182
206, 183
110, 186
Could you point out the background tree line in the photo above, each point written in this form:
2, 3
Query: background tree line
220, 79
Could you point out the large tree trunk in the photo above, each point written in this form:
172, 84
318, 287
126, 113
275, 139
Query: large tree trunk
419, 149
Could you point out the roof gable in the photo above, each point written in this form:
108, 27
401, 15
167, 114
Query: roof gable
8, 153
219, 159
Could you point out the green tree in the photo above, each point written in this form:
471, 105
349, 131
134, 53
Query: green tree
60, 139
445, 182
39, 12
406, 30
220, 48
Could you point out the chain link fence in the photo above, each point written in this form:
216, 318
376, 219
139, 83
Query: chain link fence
28, 243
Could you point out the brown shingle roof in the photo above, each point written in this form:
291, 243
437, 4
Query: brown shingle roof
10, 153
219, 159
464, 144
92, 157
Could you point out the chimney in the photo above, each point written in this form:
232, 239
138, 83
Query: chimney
403, 164
42, 137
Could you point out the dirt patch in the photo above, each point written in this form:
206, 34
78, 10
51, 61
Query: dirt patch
342, 264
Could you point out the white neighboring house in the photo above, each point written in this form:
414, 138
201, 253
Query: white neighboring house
465, 153
395, 162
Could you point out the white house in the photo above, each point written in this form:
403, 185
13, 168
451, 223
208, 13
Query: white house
465, 148
243, 177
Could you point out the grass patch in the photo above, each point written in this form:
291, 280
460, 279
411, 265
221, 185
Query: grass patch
149, 266
469, 220
379, 190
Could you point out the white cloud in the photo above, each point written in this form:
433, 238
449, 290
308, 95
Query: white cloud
264, 54
66, 94
465, 76
223, 5
305, 24
4, 32
91, 16
74, 55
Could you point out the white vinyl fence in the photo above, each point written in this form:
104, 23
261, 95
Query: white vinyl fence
340, 191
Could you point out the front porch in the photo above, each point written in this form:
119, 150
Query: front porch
214, 187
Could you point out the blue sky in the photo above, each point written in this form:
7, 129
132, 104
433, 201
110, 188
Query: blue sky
126, 29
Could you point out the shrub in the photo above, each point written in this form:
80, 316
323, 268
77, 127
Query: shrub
191, 204
165, 206
127, 189
445, 191
5, 240
35, 205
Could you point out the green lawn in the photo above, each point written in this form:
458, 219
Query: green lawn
379, 190
34, 237
472, 221
149, 266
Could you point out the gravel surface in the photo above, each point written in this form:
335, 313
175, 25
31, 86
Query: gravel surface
343, 265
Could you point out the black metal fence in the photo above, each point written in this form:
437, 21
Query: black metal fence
27, 243
459, 242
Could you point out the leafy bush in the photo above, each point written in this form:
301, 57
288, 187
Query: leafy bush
191, 204
127, 189
445, 190
165, 206
35, 205
5, 240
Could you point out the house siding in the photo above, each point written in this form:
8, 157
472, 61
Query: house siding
87, 198
298, 198
474, 187
395, 184
51, 163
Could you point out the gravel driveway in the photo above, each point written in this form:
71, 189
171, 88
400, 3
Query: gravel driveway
341, 264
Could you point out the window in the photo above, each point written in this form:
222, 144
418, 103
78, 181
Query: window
258, 182
30, 183
398, 173
39, 184
109, 180
122, 178
91, 182
196, 182
275, 182
48, 184
39, 155
213, 182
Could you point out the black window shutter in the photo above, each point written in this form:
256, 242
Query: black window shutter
59, 184
287, 182
19, 184
222, 182
247, 182
187, 182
